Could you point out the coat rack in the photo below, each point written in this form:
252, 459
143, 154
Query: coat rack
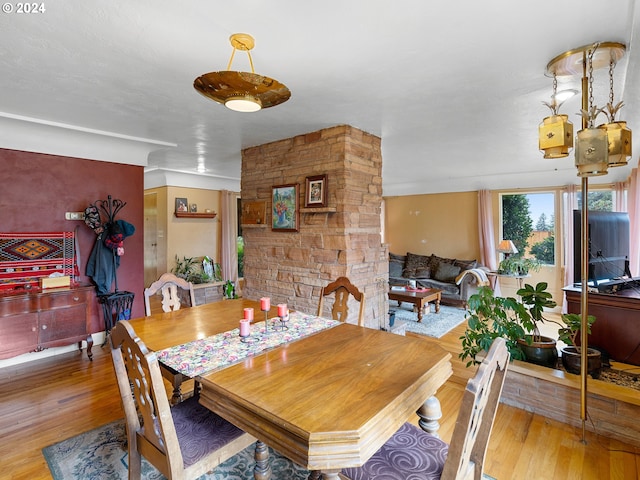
116, 305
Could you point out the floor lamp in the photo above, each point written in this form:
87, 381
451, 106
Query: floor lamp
597, 148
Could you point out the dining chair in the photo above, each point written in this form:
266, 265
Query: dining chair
169, 284
182, 442
414, 453
342, 289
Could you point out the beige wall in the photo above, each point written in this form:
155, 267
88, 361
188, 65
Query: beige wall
186, 237
443, 224
446, 224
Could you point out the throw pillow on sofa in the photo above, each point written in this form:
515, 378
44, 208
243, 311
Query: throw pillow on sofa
396, 265
415, 262
447, 272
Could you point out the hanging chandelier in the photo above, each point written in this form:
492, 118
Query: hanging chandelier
597, 148
242, 91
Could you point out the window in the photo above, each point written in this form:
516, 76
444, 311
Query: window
528, 220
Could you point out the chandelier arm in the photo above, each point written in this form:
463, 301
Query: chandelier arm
233, 52
250, 61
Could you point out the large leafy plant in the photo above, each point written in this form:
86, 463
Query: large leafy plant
490, 317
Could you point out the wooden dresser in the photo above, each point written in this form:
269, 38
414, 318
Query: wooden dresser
32, 320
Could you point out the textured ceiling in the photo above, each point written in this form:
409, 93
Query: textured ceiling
454, 89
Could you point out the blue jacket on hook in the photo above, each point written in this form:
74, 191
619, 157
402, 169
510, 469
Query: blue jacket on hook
104, 261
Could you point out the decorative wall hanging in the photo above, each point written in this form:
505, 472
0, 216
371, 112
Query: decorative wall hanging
25, 258
285, 211
254, 213
316, 191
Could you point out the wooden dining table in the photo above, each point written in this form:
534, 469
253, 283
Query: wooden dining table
327, 401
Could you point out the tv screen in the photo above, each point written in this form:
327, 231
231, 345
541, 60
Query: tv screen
608, 245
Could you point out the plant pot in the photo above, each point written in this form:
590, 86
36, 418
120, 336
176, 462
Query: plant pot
541, 351
571, 361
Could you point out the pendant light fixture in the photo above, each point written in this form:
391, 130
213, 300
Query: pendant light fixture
619, 136
555, 133
594, 147
242, 91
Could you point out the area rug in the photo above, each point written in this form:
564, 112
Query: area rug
433, 324
102, 454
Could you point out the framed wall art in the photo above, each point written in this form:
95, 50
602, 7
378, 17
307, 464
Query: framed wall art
182, 205
254, 213
285, 211
316, 191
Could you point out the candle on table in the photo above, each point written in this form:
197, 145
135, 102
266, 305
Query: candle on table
244, 327
265, 304
248, 313
282, 310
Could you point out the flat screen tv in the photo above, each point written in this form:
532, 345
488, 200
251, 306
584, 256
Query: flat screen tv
608, 245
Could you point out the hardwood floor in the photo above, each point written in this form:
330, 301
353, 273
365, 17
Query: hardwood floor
48, 400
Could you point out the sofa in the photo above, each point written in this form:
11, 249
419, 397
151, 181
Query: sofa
458, 279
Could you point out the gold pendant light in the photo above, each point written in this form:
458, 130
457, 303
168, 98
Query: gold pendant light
242, 91
555, 133
618, 134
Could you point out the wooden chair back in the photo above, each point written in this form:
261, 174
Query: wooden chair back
169, 285
413, 453
342, 289
476, 416
157, 438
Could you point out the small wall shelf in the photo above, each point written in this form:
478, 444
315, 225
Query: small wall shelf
318, 210
194, 215
254, 225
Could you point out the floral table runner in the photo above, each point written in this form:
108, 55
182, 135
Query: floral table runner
224, 349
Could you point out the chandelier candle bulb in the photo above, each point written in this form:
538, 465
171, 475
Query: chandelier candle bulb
265, 304
248, 313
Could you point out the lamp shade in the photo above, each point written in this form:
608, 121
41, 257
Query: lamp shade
592, 152
507, 247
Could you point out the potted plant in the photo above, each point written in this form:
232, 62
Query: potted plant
192, 271
537, 348
515, 320
572, 353
518, 266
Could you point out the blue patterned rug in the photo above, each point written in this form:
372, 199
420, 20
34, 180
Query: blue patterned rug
101, 454
433, 324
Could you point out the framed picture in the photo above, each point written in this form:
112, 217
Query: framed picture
285, 212
254, 213
316, 191
193, 208
182, 205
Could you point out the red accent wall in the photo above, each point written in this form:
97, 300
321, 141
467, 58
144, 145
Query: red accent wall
37, 189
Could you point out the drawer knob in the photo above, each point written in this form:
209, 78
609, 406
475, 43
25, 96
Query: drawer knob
44, 327
33, 329
75, 299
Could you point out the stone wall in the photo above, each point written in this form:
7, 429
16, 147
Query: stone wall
341, 239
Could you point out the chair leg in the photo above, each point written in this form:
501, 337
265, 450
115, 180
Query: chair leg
135, 464
262, 470
314, 475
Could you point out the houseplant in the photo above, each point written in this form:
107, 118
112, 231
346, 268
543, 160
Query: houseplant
572, 353
193, 271
515, 320
518, 266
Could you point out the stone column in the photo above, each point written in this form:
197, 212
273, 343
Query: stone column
341, 239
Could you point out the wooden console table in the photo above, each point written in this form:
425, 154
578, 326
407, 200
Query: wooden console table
32, 320
617, 326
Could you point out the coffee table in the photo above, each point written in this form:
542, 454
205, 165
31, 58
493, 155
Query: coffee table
420, 299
